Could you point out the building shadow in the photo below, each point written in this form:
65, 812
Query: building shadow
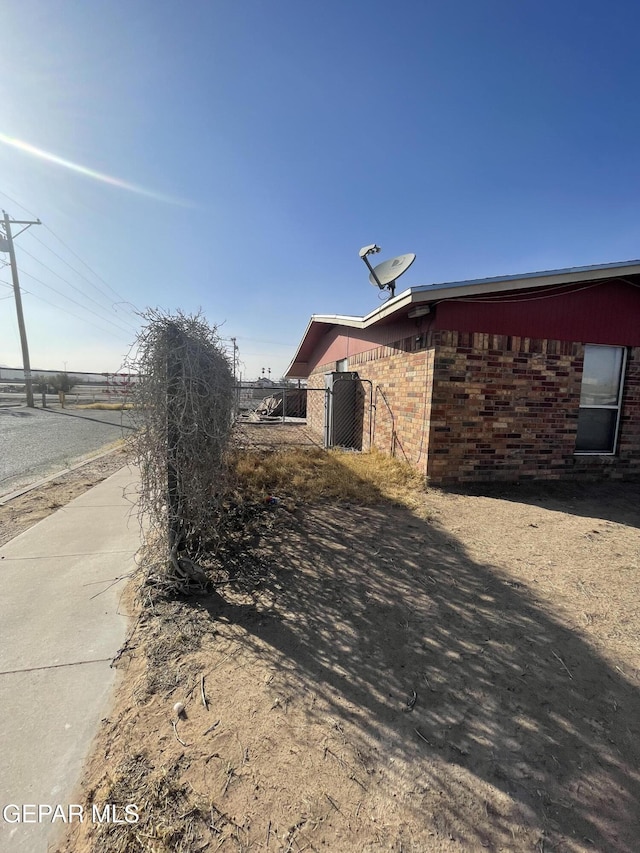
447, 673
608, 500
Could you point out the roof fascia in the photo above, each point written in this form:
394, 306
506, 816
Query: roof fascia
448, 290
454, 289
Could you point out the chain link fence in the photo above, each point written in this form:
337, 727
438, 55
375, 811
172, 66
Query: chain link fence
337, 415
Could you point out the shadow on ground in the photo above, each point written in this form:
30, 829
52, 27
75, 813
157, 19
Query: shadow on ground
611, 501
373, 608
16, 412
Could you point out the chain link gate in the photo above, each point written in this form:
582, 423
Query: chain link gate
347, 411
339, 415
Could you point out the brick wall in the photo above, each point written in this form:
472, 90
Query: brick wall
401, 389
400, 375
506, 408
472, 407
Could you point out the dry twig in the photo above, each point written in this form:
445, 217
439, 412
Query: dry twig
563, 663
175, 731
422, 737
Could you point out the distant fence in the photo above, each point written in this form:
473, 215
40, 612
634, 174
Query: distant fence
271, 401
86, 387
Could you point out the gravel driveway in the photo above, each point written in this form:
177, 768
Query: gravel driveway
38, 442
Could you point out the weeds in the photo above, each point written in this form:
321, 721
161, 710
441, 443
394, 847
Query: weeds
315, 474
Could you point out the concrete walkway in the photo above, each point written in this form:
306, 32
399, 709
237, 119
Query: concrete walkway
60, 627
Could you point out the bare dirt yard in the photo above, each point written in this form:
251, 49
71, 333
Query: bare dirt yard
24, 511
386, 669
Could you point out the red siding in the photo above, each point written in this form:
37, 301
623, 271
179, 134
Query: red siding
607, 313
344, 342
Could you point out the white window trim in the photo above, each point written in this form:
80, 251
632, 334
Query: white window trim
617, 407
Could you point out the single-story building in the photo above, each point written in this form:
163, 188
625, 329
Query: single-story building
533, 376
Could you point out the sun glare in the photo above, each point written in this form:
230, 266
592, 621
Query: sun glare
27, 148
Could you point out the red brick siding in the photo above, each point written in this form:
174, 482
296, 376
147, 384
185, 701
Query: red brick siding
401, 388
473, 407
506, 408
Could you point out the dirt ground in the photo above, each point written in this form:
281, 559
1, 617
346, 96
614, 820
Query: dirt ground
23, 512
460, 676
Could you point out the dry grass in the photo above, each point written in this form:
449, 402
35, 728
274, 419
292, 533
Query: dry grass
315, 474
171, 819
106, 407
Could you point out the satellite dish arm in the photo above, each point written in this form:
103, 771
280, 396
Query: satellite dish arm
373, 272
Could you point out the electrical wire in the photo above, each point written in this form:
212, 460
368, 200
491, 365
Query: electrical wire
75, 302
75, 254
496, 301
66, 281
82, 276
13, 201
258, 341
70, 313
69, 249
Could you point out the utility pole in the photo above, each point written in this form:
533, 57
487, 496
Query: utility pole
236, 387
6, 245
235, 350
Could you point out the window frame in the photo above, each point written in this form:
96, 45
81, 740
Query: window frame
617, 407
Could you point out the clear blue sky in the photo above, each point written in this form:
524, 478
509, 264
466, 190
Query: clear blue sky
274, 139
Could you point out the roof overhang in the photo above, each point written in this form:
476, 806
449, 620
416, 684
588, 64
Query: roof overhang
401, 304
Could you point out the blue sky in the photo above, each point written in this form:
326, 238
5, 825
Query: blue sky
274, 139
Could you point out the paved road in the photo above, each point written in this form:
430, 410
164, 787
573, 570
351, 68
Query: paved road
38, 442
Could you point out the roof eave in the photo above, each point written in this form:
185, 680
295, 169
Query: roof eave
456, 289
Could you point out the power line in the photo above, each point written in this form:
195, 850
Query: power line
75, 302
69, 249
8, 246
13, 201
66, 281
70, 313
258, 341
77, 272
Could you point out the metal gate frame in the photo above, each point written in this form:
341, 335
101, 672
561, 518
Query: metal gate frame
356, 432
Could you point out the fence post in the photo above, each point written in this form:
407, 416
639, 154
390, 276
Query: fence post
284, 404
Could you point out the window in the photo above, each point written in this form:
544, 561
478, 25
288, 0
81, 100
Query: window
600, 399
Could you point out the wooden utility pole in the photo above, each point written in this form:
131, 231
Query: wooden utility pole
235, 351
6, 245
236, 387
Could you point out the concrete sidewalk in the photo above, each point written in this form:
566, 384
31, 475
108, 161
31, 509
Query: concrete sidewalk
60, 627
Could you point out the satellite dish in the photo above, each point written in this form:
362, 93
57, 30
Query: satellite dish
386, 273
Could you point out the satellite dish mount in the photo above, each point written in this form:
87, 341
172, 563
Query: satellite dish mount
385, 275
